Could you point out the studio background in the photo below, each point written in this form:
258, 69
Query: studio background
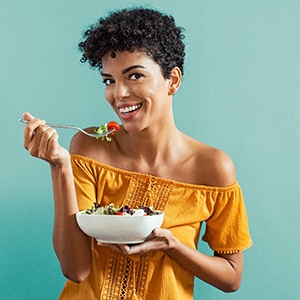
240, 93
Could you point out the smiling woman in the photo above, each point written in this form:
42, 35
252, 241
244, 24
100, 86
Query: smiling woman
149, 163
134, 90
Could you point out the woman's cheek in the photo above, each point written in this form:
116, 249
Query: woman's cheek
142, 91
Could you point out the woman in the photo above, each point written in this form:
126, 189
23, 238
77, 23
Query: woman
140, 54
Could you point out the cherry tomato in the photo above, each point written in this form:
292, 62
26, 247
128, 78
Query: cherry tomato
113, 125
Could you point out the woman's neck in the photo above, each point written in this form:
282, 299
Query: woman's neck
152, 146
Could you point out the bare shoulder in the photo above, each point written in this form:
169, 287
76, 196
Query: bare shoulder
215, 167
88, 146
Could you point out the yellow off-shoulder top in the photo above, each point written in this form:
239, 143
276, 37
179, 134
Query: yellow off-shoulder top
155, 275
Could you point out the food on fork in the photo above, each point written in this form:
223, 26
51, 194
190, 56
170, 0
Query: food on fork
102, 132
110, 127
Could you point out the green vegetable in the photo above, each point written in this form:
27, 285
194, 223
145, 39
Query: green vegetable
103, 129
111, 209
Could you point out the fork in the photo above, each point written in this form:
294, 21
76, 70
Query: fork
95, 135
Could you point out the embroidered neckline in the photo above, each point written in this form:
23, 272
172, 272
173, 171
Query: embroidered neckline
158, 179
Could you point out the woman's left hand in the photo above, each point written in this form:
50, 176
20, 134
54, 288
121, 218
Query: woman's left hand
159, 239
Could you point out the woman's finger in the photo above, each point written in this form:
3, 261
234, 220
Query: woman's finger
31, 129
33, 137
46, 138
27, 116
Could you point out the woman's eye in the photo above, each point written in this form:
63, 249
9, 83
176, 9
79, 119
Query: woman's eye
107, 81
135, 76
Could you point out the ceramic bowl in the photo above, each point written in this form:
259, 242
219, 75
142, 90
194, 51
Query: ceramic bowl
116, 229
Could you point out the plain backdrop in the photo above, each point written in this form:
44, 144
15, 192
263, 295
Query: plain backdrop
240, 93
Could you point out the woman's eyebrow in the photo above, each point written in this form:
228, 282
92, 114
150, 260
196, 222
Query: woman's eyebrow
131, 68
105, 75
125, 70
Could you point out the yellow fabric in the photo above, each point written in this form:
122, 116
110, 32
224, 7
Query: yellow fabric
155, 275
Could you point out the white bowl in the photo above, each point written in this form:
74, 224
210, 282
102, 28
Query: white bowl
115, 229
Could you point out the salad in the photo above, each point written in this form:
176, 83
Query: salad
106, 128
111, 209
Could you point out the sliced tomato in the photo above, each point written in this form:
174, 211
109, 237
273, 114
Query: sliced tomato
119, 213
113, 125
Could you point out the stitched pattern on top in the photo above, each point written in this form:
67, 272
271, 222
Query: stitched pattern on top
125, 276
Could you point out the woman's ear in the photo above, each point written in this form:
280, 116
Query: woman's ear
175, 80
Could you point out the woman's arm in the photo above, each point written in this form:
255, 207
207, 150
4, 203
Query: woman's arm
72, 246
221, 271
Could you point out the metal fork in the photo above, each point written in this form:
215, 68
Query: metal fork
95, 135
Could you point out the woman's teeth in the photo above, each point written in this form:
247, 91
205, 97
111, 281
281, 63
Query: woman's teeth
128, 109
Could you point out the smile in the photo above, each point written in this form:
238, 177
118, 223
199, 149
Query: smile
129, 109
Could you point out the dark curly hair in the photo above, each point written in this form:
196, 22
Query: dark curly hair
135, 29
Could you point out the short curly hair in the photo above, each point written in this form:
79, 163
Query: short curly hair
136, 29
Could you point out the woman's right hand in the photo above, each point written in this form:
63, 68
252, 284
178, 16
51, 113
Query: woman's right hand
42, 142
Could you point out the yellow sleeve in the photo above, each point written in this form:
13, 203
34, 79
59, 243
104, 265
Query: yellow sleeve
85, 180
227, 228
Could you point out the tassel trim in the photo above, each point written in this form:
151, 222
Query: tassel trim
233, 251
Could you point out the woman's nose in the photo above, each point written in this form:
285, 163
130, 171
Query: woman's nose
121, 91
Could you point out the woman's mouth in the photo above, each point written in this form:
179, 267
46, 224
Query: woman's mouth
129, 109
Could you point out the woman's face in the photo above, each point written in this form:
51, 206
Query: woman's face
136, 89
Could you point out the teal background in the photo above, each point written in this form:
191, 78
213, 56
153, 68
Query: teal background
240, 93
